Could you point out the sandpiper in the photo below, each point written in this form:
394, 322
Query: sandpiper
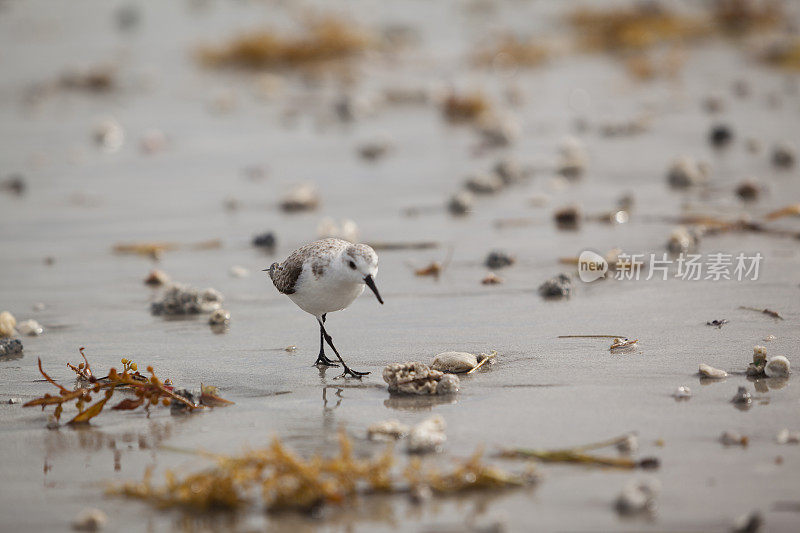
323, 277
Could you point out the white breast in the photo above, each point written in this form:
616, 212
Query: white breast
324, 294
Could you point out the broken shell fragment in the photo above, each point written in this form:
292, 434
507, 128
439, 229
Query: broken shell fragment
220, 317
783, 156
742, 396
492, 279
682, 241
509, 170
638, 497
686, 172
418, 378
372, 151
388, 430
301, 198
7, 324
720, 136
90, 519
559, 286
30, 327
629, 444
498, 259
109, 135
427, 436
778, 366
748, 191
751, 522
731, 438
682, 393
707, 371
156, 277
573, 158
461, 203
788, 437
568, 217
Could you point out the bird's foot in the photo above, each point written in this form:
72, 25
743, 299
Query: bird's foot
322, 360
350, 373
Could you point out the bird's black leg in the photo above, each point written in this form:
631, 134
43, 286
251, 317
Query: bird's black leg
322, 360
347, 370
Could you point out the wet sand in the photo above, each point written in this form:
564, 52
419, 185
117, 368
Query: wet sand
543, 392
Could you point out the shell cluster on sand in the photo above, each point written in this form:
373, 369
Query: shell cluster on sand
184, 300
419, 378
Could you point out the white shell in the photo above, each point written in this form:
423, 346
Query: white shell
788, 437
707, 371
776, 367
455, 362
682, 393
428, 435
30, 327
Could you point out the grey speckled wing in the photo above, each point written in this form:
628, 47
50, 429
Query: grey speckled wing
284, 275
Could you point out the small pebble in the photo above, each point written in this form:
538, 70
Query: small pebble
568, 217
629, 445
461, 203
109, 135
788, 437
731, 438
15, 184
682, 393
484, 183
638, 497
90, 519
718, 322
742, 396
573, 158
686, 172
499, 131
220, 317
454, 362
707, 371
13, 401
156, 278
301, 198
509, 170
777, 367
748, 191
682, 241
265, 240
769, 338
784, 156
184, 300
7, 324
372, 151
720, 136
559, 286
749, 523
497, 259
30, 327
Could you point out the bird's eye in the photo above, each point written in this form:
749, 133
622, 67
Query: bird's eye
352, 265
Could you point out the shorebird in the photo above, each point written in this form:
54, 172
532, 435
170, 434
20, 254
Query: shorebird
323, 277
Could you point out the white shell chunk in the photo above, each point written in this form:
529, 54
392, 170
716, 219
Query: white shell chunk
707, 371
777, 367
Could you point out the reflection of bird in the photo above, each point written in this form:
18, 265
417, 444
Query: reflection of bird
323, 277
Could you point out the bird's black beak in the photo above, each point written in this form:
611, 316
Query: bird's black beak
371, 284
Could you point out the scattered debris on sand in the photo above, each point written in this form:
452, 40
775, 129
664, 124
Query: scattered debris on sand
783, 53
156, 278
461, 203
497, 259
325, 39
374, 150
509, 50
90, 519
732, 438
483, 183
682, 393
461, 362
579, 455
748, 191
108, 135
720, 136
621, 344
784, 156
428, 436
742, 396
556, 287
752, 522
419, 378
710, 372
288, 482
303, 197
7, 324
682, 241
181, 299
147, 392
10, 346
717, 322
568, 217
638, 497
460, 108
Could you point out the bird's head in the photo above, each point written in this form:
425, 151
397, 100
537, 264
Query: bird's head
361, 266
